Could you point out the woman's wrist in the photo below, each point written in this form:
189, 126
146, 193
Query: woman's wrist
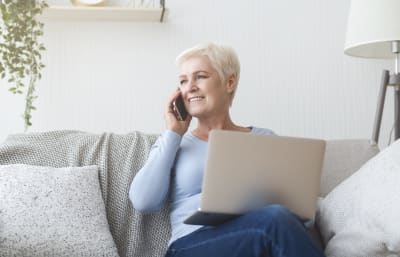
170, 133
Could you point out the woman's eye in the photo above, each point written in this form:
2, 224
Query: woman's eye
182, 82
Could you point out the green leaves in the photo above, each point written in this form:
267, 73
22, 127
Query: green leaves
20, 49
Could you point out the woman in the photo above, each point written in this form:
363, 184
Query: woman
208, 78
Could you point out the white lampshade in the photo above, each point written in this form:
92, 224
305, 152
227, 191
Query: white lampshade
371, 28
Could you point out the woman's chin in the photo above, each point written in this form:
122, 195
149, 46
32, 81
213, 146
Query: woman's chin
196, 115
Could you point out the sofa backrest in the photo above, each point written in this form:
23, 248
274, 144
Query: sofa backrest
342, 159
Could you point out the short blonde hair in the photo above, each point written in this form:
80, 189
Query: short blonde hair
222, 58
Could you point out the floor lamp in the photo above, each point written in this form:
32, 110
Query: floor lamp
373, 31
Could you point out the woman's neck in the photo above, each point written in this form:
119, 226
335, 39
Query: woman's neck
204, 128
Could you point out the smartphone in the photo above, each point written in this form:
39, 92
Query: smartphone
179, 108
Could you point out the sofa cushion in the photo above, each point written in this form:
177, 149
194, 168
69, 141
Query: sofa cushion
360, 216
46, 211
343, 158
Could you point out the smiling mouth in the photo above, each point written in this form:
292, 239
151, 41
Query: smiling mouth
196, 98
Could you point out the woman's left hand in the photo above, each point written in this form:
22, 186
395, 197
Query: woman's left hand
171, 121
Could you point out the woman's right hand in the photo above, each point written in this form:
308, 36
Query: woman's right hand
171, 121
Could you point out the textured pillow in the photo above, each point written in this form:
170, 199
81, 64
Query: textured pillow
52, 212
360, 217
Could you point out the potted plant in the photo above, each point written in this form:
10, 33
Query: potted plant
20, 49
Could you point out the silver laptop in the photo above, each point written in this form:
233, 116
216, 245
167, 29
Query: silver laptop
245, 171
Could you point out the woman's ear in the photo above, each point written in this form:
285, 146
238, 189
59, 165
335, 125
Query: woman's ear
231, 83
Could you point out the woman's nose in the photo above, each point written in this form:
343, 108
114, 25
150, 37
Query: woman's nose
192, 85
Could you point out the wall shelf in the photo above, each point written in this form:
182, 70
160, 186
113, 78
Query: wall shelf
104, 13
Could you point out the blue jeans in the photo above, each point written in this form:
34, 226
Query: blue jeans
271, 231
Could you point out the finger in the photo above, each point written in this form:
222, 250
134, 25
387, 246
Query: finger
188, 120
172, 98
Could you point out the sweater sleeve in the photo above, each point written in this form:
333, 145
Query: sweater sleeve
150, 186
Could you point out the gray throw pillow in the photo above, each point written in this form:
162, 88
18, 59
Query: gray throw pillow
47, 211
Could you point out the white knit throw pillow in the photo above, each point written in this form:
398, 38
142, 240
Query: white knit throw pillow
47, 211
361, 216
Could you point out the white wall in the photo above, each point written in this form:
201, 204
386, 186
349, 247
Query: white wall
115, 76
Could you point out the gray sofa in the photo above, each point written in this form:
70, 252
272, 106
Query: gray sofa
119, 157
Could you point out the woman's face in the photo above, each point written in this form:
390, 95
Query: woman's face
203, 92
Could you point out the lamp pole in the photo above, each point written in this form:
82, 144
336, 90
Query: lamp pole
394, 81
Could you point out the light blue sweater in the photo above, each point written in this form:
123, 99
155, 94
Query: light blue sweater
175, 163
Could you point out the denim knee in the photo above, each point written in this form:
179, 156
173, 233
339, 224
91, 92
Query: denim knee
275, 210
277, 214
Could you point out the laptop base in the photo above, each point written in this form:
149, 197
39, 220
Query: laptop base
208, 218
